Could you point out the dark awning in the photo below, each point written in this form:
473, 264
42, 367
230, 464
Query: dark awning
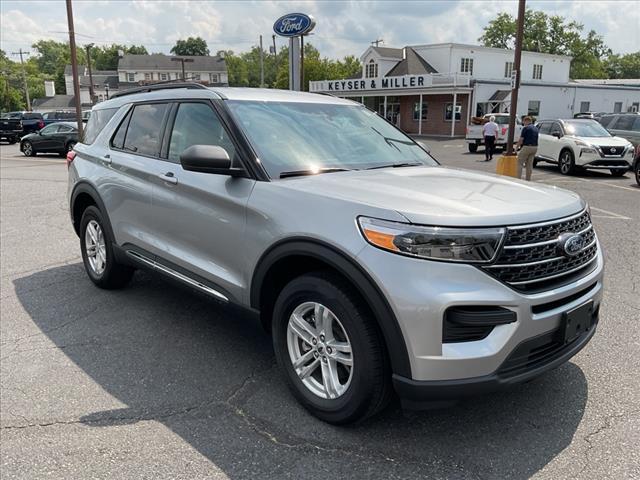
500, 95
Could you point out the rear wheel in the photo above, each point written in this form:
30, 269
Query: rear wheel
637, 172
473, 147
12, 140
567, 162
617, 172
27, 149
97, 252
330, 349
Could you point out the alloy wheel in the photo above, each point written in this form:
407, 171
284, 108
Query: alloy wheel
95, 247
27, 149
320, 350
565, 163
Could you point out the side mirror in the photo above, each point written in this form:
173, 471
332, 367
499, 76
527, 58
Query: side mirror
424, 146
556, 134
209, 159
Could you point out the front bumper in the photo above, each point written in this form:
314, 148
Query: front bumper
420, 292
595, 161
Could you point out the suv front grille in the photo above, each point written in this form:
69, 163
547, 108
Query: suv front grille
530, 259
613, 151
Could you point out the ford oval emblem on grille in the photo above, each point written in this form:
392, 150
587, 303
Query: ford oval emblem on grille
570, 244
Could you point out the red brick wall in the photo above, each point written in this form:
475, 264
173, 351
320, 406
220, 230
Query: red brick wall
435, 123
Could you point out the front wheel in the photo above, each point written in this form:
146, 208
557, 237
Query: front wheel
330, 349
27, 149
617, 172
97, 252
637, 172
567, 162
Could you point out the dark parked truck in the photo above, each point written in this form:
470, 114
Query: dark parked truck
61, 116
10, 128
29, 122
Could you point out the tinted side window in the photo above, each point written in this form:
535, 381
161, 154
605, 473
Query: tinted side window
544, 127
197, 124
118, 139
605, 121
555, 128
64, 129
96, 123
624, 122
145, 129
49, 129
636, 124
32, 116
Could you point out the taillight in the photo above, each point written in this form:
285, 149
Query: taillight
70, 156
504, 130
40, 124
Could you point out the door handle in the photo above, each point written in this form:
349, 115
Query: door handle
107, 159
169, 177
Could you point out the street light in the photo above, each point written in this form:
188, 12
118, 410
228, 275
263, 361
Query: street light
183, 61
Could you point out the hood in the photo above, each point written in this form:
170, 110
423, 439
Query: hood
605, 141
444, 196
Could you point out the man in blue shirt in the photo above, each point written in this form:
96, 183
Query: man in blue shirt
528, 146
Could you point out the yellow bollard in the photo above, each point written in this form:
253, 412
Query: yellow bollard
507, 165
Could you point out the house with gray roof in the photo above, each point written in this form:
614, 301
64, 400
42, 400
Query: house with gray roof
134, 70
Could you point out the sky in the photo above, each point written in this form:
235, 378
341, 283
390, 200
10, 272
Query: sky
342, 28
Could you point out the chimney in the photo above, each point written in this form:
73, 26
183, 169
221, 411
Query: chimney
404, 53
49, 88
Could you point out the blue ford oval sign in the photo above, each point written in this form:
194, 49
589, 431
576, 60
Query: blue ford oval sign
294, 25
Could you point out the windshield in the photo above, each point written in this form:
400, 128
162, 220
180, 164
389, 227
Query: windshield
585, 129
292, 136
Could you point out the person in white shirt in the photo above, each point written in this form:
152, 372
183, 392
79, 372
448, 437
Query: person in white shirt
490, 133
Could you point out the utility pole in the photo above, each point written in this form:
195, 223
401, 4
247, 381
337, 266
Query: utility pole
183, 61
74, 69
261, 64
91, 92
24, 77
516, 84
302, 63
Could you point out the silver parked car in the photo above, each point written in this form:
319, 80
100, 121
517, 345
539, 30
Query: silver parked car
375, 269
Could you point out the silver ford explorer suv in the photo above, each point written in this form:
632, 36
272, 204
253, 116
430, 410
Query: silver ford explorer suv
375, 269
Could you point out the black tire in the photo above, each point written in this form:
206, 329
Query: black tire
535, 162
114, 275
369, 389
473, 147
566, 162
617, 173
27, 149
12, 140
637, 172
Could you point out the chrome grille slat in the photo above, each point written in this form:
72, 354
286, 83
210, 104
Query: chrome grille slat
530, 260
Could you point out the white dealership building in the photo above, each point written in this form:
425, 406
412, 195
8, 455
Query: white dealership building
420, 87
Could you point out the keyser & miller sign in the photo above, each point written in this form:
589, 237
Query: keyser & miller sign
406, 81
294, 25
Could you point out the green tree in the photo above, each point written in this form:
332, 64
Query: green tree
623, 66
52, 58
191, 46
106, 57
551, 34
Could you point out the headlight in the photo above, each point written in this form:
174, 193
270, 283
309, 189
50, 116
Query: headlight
468, 245
580, 143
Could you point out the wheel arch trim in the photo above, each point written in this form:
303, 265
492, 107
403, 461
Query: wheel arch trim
349, 268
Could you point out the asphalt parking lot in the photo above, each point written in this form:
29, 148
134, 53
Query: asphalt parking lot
155, 382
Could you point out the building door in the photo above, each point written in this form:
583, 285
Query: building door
393, 110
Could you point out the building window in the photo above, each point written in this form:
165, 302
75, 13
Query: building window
584, 106
163, 76
448, 110
416, 111
131, 77
147, 76
508, 69
533, 108
617, 107
196, 76
371, 70
213, 77
537, 72
466, 65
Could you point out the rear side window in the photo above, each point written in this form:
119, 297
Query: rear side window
605, 121
544, 127
624, 122
96, 123
32, 116
636, 124
197, 124
64, 129
145, 129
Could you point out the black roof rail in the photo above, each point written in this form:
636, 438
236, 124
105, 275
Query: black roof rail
159, 86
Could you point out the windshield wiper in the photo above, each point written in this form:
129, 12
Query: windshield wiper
299, 173
395, 165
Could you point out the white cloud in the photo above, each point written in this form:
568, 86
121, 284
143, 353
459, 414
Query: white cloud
343, 28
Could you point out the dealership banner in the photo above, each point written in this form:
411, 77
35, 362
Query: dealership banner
384, 83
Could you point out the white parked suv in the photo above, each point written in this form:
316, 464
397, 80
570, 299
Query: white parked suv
583, 143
